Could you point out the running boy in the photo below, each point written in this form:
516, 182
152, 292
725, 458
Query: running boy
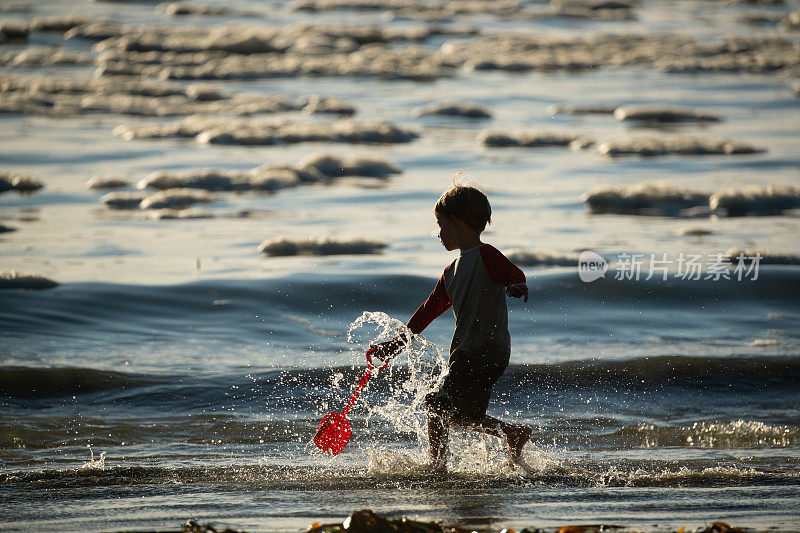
475, 285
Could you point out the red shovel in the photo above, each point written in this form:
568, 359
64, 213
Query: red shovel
334, 430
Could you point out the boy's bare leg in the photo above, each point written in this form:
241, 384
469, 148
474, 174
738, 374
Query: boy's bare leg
437, 438
516, 434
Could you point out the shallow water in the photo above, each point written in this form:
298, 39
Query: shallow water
177, 373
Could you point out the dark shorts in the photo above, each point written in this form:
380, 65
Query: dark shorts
467, 388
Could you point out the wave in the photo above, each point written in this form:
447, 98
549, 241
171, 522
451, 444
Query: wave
21, 382
560, 304
700, 373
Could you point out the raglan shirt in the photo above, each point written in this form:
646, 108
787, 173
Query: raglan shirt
474, 285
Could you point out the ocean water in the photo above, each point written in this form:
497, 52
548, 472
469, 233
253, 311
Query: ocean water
177, 373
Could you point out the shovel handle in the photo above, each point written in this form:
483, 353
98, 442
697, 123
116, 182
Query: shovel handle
357, 392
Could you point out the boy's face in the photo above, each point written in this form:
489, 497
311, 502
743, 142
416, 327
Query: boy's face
448, 232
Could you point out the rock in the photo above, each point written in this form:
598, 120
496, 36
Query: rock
694, 231
204, 92
791, 21
651, 146
260, 133
175, 214
15, 279
334, 166
325, 104
175, 199
526, 139
123, 199
205, 179
22, 183
107, 182
133, 97
529, 259
57, 23
274, 178
321, 246
6, 229
11, 32
576, 109
662, 114
43, 56
97, 30
756, 200
184, 8
643, 198
457, 109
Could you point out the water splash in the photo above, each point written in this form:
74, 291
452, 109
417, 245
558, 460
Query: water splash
92, 463
404, 409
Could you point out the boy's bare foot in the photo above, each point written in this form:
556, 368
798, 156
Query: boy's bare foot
435, 468
517, 438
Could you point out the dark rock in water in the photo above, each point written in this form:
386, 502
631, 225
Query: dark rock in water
11, 32
576, 109
6, 229
322, 246
205, 179
14, 7
760, 19
22, 183
644, 198
334, 166
181, 9
532, 259
756, 200
694, 231
177, 214
193, 526
455, 109
651, 146
368, 522
124, 199
58, 97
526, 139
662, 114
14, 279
175, 199
96, 31
791, 21
262, 133
42, 56
107, 182
325, 104
57, 23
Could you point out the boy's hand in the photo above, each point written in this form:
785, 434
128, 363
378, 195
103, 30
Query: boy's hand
518, 290
387, 349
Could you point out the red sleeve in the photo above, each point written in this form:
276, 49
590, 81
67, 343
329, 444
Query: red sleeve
437, 303
500, 268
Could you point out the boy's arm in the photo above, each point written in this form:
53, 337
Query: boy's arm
437, 303
504, 272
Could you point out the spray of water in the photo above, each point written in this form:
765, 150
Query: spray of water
404, 409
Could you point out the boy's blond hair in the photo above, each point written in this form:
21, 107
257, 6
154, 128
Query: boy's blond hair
467, 203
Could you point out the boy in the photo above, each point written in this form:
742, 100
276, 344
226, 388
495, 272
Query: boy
475, 285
